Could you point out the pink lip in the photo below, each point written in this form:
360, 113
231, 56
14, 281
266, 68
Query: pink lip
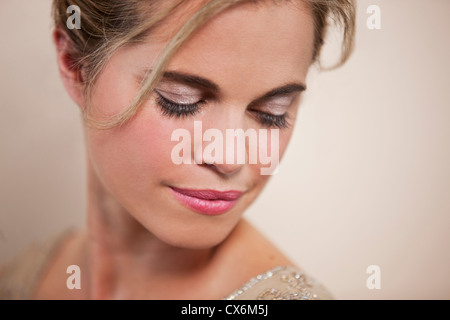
209, 202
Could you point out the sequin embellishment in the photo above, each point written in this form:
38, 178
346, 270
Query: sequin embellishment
283, 283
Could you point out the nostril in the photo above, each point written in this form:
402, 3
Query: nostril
207, 164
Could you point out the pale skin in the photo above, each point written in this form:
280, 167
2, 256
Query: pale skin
139, 242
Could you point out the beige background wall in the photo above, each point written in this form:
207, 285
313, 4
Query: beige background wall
365, 181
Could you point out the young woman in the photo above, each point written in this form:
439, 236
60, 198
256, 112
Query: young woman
143, 72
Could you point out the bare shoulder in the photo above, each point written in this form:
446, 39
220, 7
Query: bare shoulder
245, 254
259, 270
259, 252
52, 283
19, 275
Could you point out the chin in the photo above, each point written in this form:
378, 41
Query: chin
195, 242
196, 236
181, 227
199, 244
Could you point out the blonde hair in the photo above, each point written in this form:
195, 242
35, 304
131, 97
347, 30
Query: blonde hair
108, 25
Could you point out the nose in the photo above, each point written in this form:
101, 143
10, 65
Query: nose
226, 169
220, 149
211, 155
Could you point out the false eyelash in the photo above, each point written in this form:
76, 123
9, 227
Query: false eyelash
271, 120
170, 108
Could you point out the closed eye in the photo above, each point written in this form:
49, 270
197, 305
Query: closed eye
173, 109
271, 120
170, 108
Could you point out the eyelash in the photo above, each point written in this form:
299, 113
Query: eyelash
271, 120
171, 109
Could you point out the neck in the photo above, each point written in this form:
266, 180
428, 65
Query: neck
123, 257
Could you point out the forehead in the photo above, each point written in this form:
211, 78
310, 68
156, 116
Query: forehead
252, 46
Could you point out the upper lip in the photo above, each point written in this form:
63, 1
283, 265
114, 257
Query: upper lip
208, 194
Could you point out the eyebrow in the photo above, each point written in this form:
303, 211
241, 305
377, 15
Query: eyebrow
193, 80
190, 79
284, 90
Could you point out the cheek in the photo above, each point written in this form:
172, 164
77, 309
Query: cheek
131, 159
127, 159
269, 156
285, 137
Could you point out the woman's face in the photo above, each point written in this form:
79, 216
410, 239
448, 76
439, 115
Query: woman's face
243, 70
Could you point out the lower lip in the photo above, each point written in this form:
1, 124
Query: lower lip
207, 207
